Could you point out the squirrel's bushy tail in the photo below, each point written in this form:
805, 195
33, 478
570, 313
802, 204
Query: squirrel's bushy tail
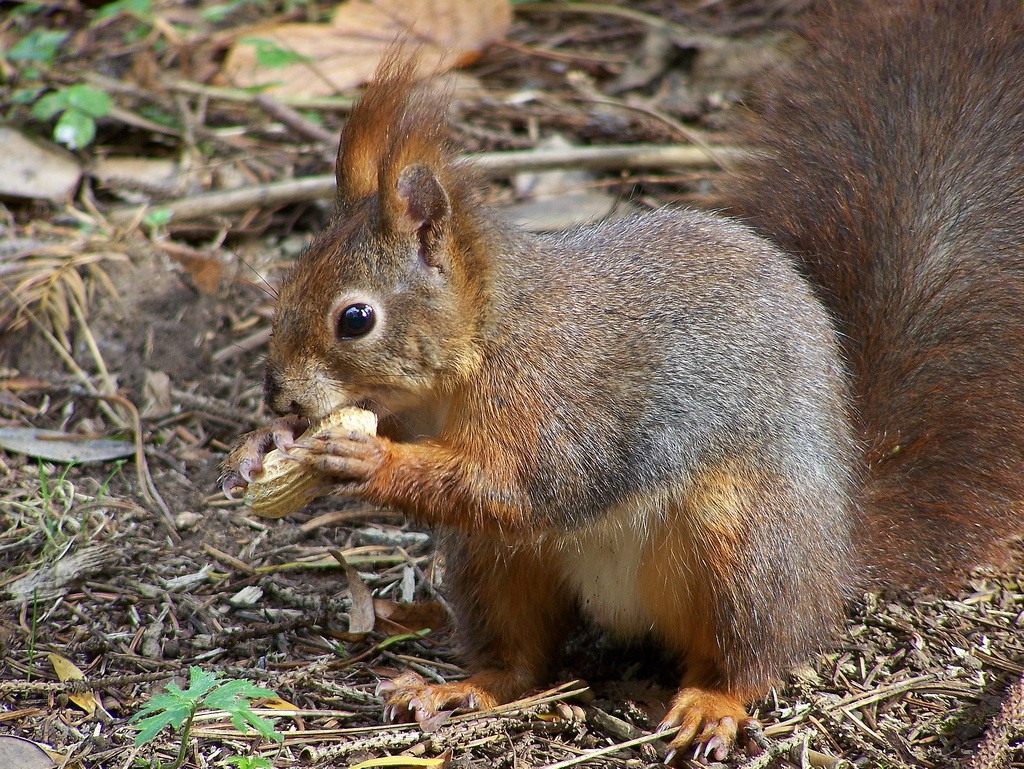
894, 173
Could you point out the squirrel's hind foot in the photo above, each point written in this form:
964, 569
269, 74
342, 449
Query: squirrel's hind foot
709, 723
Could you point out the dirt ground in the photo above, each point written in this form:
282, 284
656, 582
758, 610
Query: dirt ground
152, 334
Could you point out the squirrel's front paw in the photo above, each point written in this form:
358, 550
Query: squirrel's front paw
410, 697
344, 455
245, 460
708, 722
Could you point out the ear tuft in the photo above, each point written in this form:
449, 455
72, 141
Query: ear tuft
371, 126
425, 208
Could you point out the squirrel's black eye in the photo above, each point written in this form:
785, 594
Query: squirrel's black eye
356, 320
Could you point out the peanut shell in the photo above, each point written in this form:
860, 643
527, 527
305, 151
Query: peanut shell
285, 485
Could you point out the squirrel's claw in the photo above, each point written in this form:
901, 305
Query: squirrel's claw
708, 723
413, 699
230, 482
248, 467
283, 432
246, 458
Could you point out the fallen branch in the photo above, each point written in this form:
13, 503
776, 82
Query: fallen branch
491, 164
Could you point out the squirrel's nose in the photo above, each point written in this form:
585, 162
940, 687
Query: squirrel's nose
272, 396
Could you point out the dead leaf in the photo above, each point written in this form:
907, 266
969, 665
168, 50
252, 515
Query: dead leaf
23, 754
156, 389
276, 703
35, 169
203, 269
409, 761
56, 446
67, 670
345, 53
559, 200
361, 617
410, 617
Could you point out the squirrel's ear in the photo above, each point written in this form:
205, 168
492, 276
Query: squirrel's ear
356, 168
422, 209
371, 126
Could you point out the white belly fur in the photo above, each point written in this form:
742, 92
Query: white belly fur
600, 565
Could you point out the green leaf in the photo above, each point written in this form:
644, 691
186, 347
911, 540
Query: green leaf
152, 726
25, 95
140, 9
158, 217
50, 105
199, 683
75, 129
414, 636
249, 762
272, 56
230, 692
25, 9
38, 45
235, 698
242, 716
157, 115
170, 700
137, 33
172, 708
220, 11
91, 101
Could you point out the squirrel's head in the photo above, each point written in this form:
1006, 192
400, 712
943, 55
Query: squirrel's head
383, 309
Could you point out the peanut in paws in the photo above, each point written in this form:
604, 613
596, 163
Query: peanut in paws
285, 485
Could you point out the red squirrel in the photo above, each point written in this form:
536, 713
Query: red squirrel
709, 430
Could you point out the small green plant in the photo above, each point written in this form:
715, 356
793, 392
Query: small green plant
249, 762
38, 47
158, 217
33, 634
271, 55
177, 708
219, 11
79, 106
140, 9
57, 496
104, 487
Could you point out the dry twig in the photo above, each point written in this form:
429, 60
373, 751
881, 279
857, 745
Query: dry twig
491, 164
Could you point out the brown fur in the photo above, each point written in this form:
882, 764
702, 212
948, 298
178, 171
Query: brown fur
901, 193
392, 125
695, 566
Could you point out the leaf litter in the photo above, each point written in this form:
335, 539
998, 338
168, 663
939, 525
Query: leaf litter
320, 607
320, 59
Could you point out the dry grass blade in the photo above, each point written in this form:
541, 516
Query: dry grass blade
611, 749
49, 279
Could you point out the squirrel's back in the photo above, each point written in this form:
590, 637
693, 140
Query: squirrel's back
893, 170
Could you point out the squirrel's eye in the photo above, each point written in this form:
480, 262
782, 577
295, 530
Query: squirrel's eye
356, 320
